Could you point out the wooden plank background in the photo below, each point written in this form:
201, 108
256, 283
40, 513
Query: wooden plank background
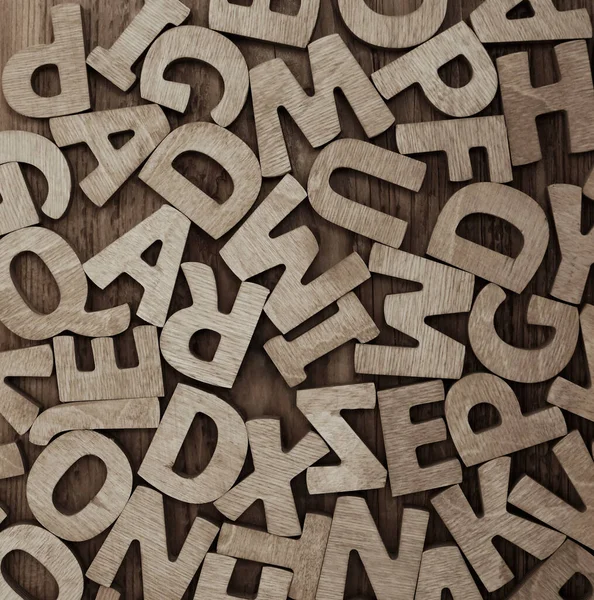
259, 389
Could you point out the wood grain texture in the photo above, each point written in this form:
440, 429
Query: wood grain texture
388, 31
503, 202
523, 103
107, 381
474, 534
17, 209
445, 291
402, 437
332, 67
359, 469
456, 137
197, 43
67, 54
259, 389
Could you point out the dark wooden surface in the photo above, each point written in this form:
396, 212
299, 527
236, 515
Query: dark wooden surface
259, 389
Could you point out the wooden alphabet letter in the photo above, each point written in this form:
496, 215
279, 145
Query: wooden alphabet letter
47, 549
491, 24
63, 264
201, 44
11, 461
107, 594
504, 202
548, 579
252, 250
36, 150
235, 328
474, 534
386, 31
274, 468
16, 209
51, 466
303, 556
353, 529
220, 145
443, 568
351, 321
107, 381
445, 291
372, 160
422, 64
116, 63
515, 430
143, 520
402, 437
536, 500
226, 462
568, 395
577, 250
456, 137
149, 126
67, 53
332, 67
521, 364
133, 413
359, 469
216, 575
573, 93
258, 21
168, 226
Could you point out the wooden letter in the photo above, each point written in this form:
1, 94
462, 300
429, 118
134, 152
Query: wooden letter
252, 250
577, 250
521, 364
168, 226
107, 594
258, 21
443, 568
332, 67
573, 93
200, 44
515, 430
107, 381
226, 462
474, 534
67, 53
303, 556
402, 437
15, 407
274, 468
445, 291
16, 209
372, 160
547, 579
216, 575
353, 529
63, 264
143, 520
359, 469
536, 500
11, 461
351, 321
36, 150
149, 126
456, 137
51, 466
220, 145
504, 202
133, 413
47, 549
491, 24
422, 64
386, 31
235, 328
568, 395
116, 63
